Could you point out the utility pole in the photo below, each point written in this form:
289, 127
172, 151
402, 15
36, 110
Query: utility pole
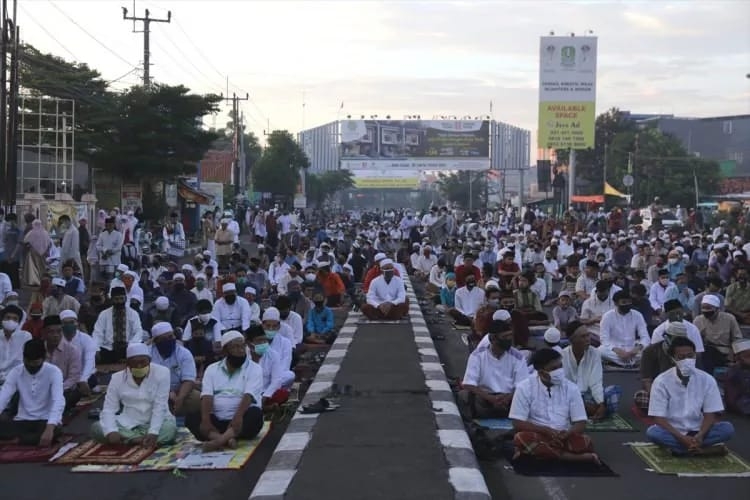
146, 39
9, 48
238, 170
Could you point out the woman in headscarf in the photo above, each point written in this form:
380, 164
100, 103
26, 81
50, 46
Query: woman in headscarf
101, 219
38, 243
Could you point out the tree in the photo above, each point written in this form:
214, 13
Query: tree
463, 185
158, 133
321, 187
278, 169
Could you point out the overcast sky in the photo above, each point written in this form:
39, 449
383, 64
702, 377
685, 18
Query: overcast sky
404, 57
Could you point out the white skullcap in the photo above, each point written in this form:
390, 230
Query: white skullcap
737, 253
161, 328
349, 267
386, 262
741, 345
137, 295
491, 284
261, 246
200, 276
322, 263
187, 267
271, 314
138, 349
68, 314
501, 315
179, 276
228, 287
250, 290
224, 221
207, 253
58, 282
231, 336
552, 335
122, 268
711, 300
132, 274
379, 256
162, 303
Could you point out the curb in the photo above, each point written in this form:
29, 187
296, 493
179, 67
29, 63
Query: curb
284, 462
463, 469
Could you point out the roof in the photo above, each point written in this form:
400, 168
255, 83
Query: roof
216, 166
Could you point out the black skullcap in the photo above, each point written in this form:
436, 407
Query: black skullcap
543, 357
34, 349
620, 294
663, 272
254, 331
592, 263
203, 306
109, 220
14, 310
603, 285
118, 291
671, 305
499, 326
52, 320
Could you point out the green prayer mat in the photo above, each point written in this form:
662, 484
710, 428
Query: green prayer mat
661, 460
614, 423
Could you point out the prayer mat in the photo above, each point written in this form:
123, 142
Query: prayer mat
662, 461
366, 321
461, 327
637, 413
92, 452
95, 396
611, 367
614, 423
18, 453
499, 424
526, 465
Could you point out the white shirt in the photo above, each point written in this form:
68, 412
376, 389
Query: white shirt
496, 375
425, 264
595, 308
381, 292
294, 321
684, 406
587, 374
273, 372
40, 395
551, 267
658, 294
104, 334
283, 347
5, 286
692, 333
203, 294
11, 351
556, 407
144, 404
229, 389
277, 271
437, 276
468, 302
540, 289
623, 331
233, 316
87, 347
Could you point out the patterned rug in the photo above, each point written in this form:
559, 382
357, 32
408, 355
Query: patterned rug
92, 452
662, 461
17, 453
615, 423
500, 424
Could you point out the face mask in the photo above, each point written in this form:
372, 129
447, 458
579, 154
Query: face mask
261, 349
236, 361
140, 372
557, 376
494, 302
602, 297
709, 314
69, 329
388, 275
295, 295
33, 370
624, 309
230, 299
204, 318
166, 348
686, 366
10, 325
200, 285
674, 261
310, 277
118, 274
271, 334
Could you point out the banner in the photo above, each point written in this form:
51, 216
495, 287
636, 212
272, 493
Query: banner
132, 198
608, 189
384, 179
567, 92
415, 144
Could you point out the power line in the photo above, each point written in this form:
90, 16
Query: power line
48, 33
189, 60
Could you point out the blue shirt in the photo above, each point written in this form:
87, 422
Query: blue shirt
181, 365
320, 321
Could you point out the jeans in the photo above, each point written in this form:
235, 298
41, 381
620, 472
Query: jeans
720, 432
252, 423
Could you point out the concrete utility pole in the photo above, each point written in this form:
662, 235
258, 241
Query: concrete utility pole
9, 48
238, 147
146, 39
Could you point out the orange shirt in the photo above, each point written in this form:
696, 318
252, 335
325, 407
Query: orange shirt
332, 284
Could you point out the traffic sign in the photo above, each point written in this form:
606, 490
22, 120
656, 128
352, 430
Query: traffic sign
628, 180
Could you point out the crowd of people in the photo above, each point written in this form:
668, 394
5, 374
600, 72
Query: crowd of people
215, 338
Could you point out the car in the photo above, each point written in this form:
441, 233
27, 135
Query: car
668, 219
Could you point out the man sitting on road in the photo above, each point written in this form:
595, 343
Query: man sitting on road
527, 301
230, 310
86, 347
675, 314
202, 334
135, 408
594, 307
623, 333
718, 330
737, 382
386, 299
468, 299
115, 328
549, 415
277, 380
685, 403
39, 386
290, 318
12, 340
165, 351
65, 356
583, 366
320, 323
230, 398
492, 375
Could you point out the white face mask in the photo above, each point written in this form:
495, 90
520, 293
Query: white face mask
204, 317
557, 376
10, 325
674, 261
686, 366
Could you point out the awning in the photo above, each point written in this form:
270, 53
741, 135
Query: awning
597, 198
193, 195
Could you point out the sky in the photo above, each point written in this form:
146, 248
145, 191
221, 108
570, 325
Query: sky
300, 60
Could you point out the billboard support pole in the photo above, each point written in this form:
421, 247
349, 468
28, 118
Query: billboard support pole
571, 177
471, 181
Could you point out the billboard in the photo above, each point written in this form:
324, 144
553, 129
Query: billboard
415, 144
386, 179
567, 92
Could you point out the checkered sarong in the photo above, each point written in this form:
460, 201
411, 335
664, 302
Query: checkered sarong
611, 398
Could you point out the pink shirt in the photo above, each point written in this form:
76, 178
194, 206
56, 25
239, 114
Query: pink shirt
68, 359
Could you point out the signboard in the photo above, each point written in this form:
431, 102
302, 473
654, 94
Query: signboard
567, 92
415, 144
215, 189
300, 201
132, 197
170, 195
386, 179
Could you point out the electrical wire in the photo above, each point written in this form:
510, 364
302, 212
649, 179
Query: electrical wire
33, 20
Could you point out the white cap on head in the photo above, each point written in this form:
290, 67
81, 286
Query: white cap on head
250, 290
379, 256
207, 253
711, 300
137, 349
231, 336
737, 253
58, 282
162, 303
386, 262
68, 314
161, 328
200, 276
271, 314
122, 268
187, 267
228, 287
552, 335
137, 295
501, 315
320, 264
491, 284
179, 276
741, 346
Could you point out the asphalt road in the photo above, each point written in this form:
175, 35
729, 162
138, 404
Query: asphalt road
634, 480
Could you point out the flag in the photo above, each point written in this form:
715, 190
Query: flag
608, 189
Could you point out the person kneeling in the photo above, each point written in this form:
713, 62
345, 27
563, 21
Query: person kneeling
737, 382
386, 298
277, 380
684, 404
548, 414
230, 398
136, 407
39, 386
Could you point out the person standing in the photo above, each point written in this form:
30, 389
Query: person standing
38, 244
70, 247
84, 240
174, 237
109, 248
208, 228
12, 237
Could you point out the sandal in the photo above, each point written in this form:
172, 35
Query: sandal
323, 405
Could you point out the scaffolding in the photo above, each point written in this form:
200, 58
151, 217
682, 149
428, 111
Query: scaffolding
46, 146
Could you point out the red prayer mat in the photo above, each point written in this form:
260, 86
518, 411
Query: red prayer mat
645, 419
19, 453
92, 452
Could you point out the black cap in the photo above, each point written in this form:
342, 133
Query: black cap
52, 320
